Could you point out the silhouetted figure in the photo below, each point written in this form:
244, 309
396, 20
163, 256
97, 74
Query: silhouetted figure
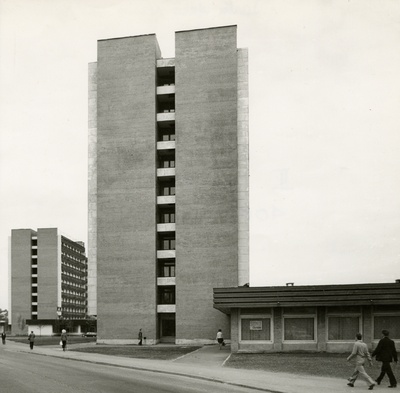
385, 352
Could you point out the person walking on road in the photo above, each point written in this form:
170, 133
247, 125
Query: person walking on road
64, 339
140, 337
31, 339
3, 337
220, 338
386, 352
361, 353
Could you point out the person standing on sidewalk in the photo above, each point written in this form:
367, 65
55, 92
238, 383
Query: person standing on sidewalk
140, 337
220, 338
3, 337
64, 339
31, 339
386, 352
361, 353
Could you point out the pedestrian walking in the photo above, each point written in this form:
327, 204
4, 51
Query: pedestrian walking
31, 339
386, 353
3, 338
361, 353
64, 339
140, 337
220, 339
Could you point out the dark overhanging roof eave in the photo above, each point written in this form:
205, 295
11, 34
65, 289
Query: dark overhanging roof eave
225, 310
307, 296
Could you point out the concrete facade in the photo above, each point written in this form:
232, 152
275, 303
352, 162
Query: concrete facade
207, 176
48, 279
21, 279
126, 187
48, 272
243, 167
164, 214
92, 190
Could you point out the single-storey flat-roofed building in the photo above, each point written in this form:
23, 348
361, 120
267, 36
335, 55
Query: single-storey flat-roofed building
322, 318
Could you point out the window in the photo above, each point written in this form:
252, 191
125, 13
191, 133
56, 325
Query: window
388, 322
169, 271
167, 163
166, 218
256, 328
165, 135
167, 190
343, 328
168, 244
168, 137
166, 268
299, 328
167, 296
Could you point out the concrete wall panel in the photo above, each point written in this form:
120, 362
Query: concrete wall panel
47, 273
21, 286
206, 177
126, 191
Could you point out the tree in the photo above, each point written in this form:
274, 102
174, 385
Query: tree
3, 315
21, 322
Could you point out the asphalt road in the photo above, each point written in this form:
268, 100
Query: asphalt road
30, 373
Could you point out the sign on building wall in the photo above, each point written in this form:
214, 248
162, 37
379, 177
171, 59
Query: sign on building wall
255, 325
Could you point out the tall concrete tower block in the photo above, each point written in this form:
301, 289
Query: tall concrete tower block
48, 278
168, 185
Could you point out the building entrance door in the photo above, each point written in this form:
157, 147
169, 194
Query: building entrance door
167, 329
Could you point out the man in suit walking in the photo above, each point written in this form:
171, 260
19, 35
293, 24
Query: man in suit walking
385, 352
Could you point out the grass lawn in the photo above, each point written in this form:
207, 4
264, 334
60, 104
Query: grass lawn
52, 340
320, 364
144, 352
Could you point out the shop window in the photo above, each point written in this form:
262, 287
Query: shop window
299, 329
387, 322
343, 328
256, 329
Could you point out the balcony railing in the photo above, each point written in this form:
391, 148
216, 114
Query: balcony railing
170, 227
165, 172
170, 62
166, 254
166, 200
164, 308
166, 281
166, 145
166, 116
166, 89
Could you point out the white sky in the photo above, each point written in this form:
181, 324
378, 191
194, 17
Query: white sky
324, 124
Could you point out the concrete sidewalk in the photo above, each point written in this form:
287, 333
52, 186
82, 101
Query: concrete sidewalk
205, 363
